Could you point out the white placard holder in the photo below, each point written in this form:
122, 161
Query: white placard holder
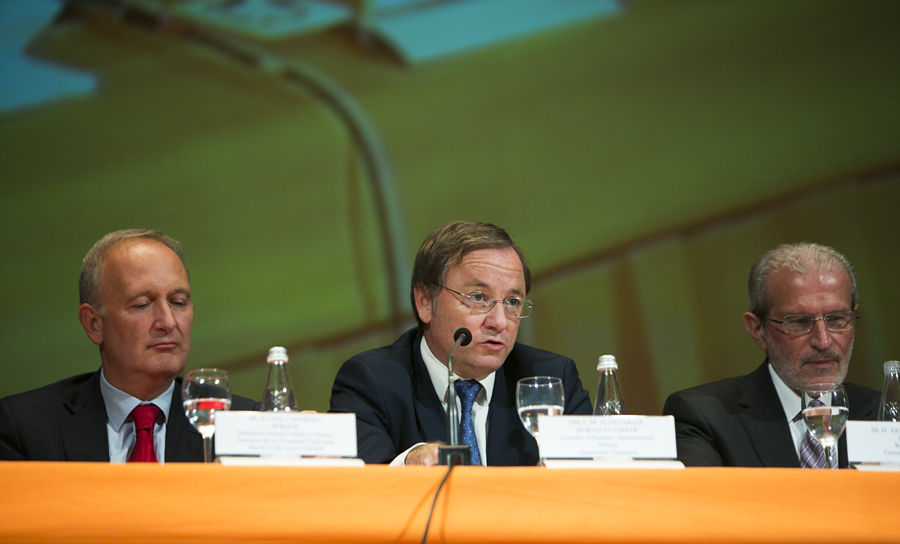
874, 445
608, 441
286, 438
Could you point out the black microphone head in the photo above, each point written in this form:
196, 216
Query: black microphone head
465, 334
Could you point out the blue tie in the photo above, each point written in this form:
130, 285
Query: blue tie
467, 391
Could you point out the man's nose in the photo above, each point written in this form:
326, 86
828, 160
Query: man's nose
820, 336
496, 318
165, 317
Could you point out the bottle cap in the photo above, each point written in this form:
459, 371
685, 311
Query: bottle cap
277, 353
892, 366
606, 362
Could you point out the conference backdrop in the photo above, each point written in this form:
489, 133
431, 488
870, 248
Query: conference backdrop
643, 155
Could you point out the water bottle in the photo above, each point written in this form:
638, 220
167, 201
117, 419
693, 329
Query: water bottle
609, 396
279, 394
889, 410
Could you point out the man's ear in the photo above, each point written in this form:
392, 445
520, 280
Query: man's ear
424, 303
91, 322
754, 326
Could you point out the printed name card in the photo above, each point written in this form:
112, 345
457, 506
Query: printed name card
607, 437
873, 442
285, 434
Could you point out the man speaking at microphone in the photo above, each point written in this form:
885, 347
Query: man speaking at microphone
466, 275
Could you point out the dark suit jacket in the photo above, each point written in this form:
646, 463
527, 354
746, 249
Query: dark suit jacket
392, 395
740, 422
66, 421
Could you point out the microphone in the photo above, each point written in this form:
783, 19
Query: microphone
462, 337
454, 453
463, 333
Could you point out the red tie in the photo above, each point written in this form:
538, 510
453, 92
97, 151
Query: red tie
145, 416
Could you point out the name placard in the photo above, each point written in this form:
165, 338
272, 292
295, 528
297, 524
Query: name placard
607, 437
873, 442
285, 434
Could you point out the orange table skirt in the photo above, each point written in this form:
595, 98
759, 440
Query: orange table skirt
92, 502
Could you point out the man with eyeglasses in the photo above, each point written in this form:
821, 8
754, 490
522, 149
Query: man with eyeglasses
803, 310
470, 275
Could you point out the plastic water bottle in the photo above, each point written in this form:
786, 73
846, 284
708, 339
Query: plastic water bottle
889, 410
609, 397
279, 393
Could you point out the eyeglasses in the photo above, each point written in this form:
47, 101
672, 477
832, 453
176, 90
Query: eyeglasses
514, 307
800, 324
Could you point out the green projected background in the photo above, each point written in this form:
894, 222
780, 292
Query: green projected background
643, 161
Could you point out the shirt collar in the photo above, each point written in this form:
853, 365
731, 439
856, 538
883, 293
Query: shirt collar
439, 379
119, 404
790, 401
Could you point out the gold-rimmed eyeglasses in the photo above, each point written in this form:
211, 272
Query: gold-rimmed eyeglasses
481, 302
800, 324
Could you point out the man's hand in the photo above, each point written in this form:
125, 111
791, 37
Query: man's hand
426, 454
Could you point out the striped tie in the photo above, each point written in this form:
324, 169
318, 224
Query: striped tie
812, 454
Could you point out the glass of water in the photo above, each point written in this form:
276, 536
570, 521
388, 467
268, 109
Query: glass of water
204, 391
825, 411
539, 395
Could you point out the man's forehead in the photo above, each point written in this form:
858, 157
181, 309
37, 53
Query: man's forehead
478, 266
819, 278
788, 287
133, 251
133, 260
501, 256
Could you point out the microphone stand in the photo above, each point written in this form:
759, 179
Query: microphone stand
454, 453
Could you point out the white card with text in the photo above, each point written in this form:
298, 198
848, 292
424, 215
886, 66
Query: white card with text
607, 437
873, 442
285, 434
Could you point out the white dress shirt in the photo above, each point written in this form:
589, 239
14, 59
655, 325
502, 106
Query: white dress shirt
441, 382
120, 425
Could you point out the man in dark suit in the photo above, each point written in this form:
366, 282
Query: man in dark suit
469, 275
136, 306
803, 310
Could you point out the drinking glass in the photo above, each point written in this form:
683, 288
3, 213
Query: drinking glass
204, 391
825, 411
539, 395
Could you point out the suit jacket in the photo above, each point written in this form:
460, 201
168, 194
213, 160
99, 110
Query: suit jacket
66, 421
740, 422
392, 395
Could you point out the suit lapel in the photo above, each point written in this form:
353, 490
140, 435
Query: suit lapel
83, 430
508, 443
765, 423
430, 415
183, 443
498, 429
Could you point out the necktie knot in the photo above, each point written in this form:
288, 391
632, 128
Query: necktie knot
144, 416
467, 391
813, 403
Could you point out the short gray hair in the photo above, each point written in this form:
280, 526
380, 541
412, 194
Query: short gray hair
800, 258
89, 281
